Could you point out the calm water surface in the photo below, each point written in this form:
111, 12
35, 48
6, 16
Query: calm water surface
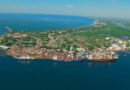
49, 75
41, 21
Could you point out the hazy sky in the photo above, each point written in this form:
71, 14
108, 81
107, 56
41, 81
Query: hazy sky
103, 8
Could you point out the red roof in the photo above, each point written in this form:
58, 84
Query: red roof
16, 35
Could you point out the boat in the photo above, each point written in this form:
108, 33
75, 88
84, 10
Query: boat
68, 60
55, 58
25, 57
104, 60
4, 47
111, 57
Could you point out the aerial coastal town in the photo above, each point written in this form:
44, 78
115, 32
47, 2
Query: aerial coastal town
98, 42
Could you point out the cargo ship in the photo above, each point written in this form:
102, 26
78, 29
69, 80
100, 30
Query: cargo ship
114, 58
67, 59
102, 60
102, 56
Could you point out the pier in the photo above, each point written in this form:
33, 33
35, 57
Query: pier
9, 29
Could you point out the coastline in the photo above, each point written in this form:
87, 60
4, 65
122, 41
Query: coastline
81, 21
94, 23
28, 53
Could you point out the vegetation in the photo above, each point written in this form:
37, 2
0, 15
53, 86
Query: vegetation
90, 37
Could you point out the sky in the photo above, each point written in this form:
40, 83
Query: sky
98, 8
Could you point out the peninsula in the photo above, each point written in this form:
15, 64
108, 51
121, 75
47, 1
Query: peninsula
98, 42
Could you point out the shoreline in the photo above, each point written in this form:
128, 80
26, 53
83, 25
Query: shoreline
90, 19
94, 23
57, 54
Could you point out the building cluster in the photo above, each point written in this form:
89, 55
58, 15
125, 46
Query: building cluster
34, 52
16, 35
118, 44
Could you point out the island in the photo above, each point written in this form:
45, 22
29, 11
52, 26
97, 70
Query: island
98, 42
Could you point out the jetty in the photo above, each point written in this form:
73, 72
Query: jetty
9, 29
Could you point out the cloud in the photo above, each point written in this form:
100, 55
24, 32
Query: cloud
69, 6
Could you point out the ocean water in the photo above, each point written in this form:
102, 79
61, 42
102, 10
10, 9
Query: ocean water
41, 21
49, 75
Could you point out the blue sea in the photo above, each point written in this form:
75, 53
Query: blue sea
41, 21
49, 75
